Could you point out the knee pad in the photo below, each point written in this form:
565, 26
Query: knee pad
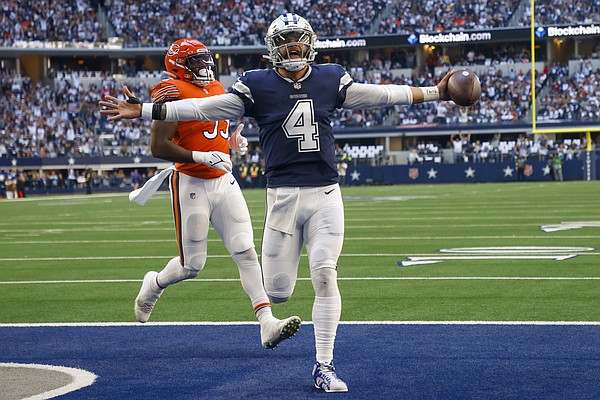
197, 227
324, 280
280, 289
241, 242
195, 263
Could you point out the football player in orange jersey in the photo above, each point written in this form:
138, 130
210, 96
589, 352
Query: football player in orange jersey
203, 191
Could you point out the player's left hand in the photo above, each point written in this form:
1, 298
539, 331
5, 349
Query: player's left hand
237, 142
443, 85
118, 109
214, 159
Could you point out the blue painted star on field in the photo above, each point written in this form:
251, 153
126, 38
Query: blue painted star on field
432, 174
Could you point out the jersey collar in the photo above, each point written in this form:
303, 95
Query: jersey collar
299, 80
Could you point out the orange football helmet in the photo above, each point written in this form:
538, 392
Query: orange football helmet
190, 60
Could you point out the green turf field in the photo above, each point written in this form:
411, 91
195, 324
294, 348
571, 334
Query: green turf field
81, 258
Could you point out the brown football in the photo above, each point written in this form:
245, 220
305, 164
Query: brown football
464, 88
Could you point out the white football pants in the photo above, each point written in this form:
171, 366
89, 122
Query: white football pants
198, 202
313, 216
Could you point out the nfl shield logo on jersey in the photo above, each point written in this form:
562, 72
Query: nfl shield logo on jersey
413, 173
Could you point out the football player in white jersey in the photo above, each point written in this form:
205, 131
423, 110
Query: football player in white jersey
293, 104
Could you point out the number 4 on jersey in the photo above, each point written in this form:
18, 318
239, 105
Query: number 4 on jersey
300, 124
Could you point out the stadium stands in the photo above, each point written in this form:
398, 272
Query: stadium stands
57, 116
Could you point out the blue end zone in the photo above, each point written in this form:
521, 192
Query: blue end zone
377, 361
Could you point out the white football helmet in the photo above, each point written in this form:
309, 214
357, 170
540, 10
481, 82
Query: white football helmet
291, 42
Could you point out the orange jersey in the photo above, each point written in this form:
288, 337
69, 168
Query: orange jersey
195, 135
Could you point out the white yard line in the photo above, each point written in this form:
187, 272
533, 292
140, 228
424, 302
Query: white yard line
374, 278
364, 238
157, 257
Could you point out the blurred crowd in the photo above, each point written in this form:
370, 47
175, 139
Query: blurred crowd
37, 120
407, 16
160, 22
64, 121
571, 96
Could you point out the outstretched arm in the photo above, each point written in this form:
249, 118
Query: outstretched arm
214, 108
361, 95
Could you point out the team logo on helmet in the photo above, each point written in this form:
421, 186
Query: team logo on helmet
188, 59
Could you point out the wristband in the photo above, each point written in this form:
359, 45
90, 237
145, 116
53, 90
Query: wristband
430, 93
157, 112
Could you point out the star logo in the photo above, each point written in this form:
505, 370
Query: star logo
470, 173
71, 161
432, 174
14, 162
355, 175
546, 170
137, 160
508, 171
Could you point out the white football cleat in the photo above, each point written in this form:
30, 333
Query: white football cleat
146, 298
276, 331
326, 378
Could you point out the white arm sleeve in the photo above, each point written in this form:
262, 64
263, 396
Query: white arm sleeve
214, 108
365, 95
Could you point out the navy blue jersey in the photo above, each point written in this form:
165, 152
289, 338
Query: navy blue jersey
295, 122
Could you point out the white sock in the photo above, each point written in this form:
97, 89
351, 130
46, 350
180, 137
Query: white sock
326, 317
251, 277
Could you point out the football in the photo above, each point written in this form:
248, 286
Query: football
464, 88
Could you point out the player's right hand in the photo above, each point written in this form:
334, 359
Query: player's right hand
443, 86
118, 109
214, 159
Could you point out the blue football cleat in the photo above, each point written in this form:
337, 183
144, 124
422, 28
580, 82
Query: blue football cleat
326, 378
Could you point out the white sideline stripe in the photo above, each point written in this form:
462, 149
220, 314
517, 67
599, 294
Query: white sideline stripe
81, 379
233, 323
375, 278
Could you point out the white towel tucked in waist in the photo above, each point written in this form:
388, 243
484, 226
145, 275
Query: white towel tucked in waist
282, 215
143, 194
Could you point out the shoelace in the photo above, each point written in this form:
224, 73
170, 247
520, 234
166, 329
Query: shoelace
328, 372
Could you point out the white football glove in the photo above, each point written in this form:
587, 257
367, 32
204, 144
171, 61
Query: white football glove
215, 159
237, 142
